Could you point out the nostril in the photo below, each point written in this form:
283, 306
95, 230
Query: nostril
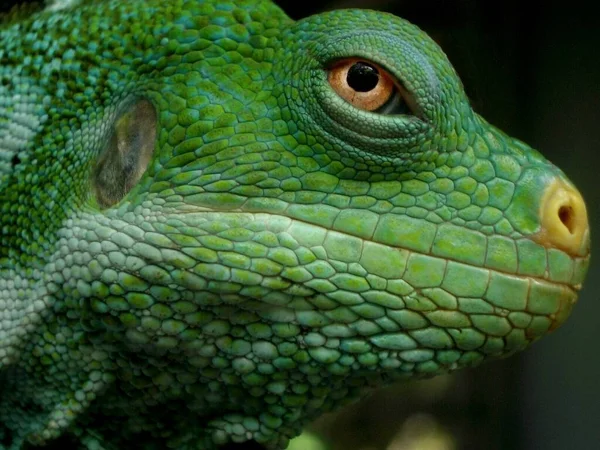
567, 217
563, 219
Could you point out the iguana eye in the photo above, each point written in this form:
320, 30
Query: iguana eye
367, 86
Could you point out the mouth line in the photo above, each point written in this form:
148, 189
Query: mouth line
573, 288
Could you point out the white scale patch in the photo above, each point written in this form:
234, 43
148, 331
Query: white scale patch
57, 5
21, 304
22, 113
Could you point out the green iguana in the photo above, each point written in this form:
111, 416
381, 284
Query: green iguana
218, 223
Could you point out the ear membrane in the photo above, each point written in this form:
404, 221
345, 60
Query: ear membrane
126, 155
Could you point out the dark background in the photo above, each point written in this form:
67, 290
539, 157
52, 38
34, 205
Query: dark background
533, 69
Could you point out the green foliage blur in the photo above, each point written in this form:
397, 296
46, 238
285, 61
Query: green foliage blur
308, 441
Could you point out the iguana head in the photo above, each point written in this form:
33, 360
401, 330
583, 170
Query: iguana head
230, 222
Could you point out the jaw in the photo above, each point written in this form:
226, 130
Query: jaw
176, 277
230, 299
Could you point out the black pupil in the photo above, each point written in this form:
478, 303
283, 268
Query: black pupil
362, 77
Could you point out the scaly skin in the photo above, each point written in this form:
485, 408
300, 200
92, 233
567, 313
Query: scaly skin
283, 251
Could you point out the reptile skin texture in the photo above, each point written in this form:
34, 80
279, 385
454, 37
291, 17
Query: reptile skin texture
218, 223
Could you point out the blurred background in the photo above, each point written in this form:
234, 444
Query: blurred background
533, 69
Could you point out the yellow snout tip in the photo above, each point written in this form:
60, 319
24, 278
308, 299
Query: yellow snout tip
564, 220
